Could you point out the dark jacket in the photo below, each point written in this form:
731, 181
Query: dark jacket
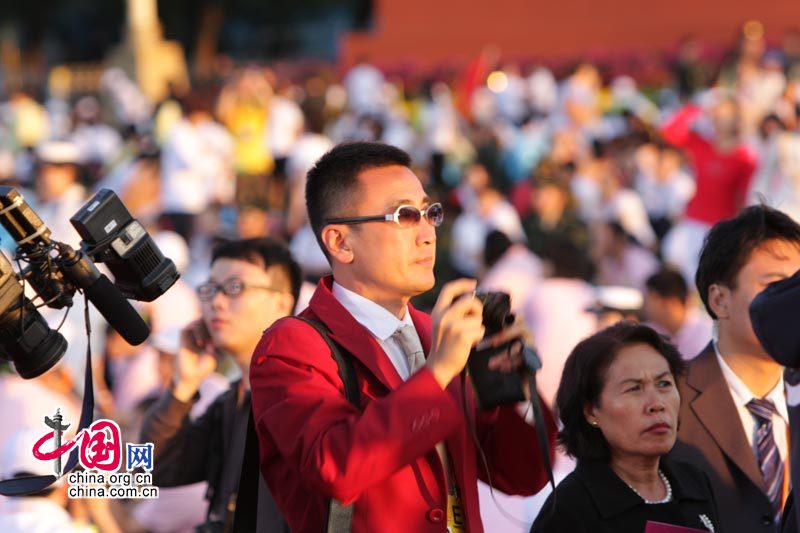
789, 520
210, 448
593, 499
712, 439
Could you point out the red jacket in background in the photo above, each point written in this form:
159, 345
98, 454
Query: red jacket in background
722, 178
315, 445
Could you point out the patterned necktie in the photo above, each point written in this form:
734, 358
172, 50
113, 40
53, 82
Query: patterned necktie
769, 460
406, 335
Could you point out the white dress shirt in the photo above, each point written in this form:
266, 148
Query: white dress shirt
38, 515
379, 322
741, 395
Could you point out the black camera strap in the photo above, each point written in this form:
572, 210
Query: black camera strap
23, 486
340, 517
532, 365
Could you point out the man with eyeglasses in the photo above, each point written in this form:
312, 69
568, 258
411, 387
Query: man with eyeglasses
403, 459
252, 283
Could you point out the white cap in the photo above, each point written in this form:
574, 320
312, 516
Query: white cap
17, 454
59, 153
167, 341
625, 299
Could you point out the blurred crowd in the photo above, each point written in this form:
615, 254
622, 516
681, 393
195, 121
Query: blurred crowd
584, 195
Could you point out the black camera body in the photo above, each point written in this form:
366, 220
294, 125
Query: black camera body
492, 387
25, 336
56, 271
112, 236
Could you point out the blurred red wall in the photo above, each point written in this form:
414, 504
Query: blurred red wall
428, 33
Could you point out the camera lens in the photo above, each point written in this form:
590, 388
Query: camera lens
25, 337
496, 311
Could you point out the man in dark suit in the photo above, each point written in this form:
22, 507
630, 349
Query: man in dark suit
733, 415
774, 315
404, 458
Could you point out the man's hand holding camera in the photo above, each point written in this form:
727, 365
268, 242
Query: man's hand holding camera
457, 327
511, 359
196, 360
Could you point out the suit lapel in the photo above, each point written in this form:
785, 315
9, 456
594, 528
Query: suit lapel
351, 335
714, 408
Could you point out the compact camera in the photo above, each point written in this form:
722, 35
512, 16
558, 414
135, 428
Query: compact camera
493, 387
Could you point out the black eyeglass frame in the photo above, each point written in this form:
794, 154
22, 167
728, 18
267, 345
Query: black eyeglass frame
224, 287
392, 217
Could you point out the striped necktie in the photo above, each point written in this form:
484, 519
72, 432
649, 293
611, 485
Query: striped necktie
769, 460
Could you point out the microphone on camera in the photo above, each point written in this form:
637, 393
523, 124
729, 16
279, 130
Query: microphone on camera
105, 296
117, 311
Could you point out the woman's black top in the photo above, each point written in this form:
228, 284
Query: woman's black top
593, 499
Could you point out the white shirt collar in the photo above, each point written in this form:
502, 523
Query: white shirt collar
378, 320
741, 394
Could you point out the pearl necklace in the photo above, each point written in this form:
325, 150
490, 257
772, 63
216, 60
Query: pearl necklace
665, 499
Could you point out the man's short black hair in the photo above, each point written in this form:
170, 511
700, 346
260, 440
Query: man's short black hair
668, 283
333, 180
728, 245
583, 379
265, 252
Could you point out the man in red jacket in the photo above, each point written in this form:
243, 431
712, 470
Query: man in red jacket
723, 167
405, 458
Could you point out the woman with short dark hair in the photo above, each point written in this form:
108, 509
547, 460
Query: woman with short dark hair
619, 406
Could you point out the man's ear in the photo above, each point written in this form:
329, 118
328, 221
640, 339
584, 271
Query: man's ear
336, 238
287, 303
719, 299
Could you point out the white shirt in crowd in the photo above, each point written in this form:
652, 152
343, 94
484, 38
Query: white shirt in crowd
777, 178
284, 125
364, 85
98, 143
517, 273
196, 167
556, 313
304, 154
665, 199
470, 228
627, 208
38, 515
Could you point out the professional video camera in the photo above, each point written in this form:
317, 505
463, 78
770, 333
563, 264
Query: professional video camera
55, 271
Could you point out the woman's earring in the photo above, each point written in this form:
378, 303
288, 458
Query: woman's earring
594, 423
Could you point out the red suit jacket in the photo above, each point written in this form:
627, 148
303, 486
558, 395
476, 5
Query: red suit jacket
315, 445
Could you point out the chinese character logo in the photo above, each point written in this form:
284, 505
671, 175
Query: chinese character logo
139, 456
100, 446
99, 453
